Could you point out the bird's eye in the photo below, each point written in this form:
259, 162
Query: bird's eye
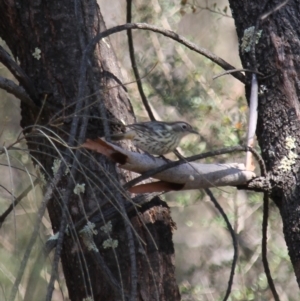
184, 127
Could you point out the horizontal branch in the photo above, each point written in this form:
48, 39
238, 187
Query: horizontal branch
194, 175
189, 175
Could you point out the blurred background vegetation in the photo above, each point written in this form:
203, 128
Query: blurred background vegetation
179, 86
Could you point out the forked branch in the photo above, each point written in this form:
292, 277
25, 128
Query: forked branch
19, 74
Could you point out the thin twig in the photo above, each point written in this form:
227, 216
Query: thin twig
151, 116
131, 247
276, 8
230, 229
213, 11
134, 66
109, 275
234, 241
237, 70
264, 247
17, 201
40, 214
62, 227
37, 267
41, 110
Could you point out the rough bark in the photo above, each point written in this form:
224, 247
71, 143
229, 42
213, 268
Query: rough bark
277, 57
61, 30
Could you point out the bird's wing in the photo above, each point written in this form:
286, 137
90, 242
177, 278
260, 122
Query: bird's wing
123, 136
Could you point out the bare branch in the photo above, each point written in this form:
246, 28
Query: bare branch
190, 175
194, 175
12, 88
212, 10
237, 70
134, 66
16, 202
234, 241
19, 74
276, 8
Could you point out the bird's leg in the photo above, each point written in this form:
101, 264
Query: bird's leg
178, 154
164, 158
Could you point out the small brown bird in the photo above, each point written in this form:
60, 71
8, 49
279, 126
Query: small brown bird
156, 137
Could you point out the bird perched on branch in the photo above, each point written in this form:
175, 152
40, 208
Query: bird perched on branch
156, 137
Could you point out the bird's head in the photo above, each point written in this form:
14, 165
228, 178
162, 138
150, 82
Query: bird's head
182, 128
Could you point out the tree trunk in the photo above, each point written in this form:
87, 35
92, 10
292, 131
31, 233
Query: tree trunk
61, 30
277, 58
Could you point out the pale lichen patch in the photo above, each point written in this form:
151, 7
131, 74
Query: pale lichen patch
79, 188
110, 243
54, 237
247, 38
37, 53
288, 161
56, 165
86, 233
107, 228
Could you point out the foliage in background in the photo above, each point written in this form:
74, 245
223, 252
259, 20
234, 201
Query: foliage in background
179, 87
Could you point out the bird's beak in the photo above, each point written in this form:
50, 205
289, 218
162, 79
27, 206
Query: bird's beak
194, 132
